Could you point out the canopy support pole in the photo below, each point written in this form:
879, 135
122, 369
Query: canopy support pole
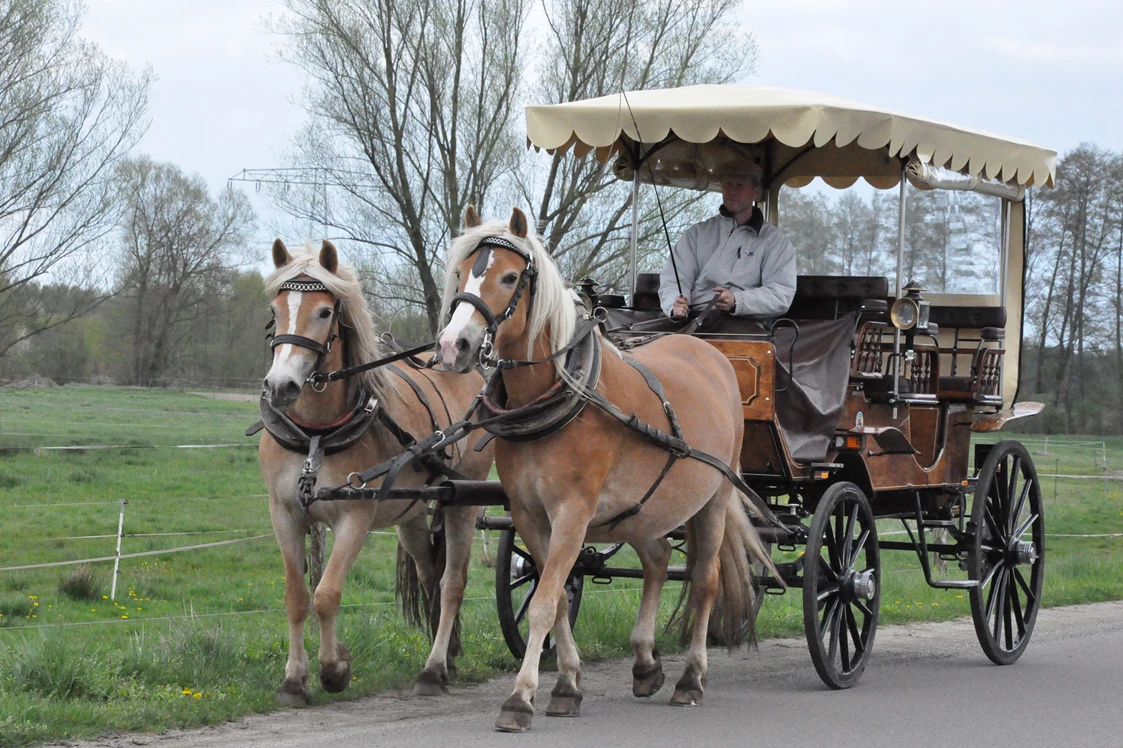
635, 235
901, 205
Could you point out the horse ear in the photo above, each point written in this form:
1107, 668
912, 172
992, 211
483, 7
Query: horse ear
281, 256
472, 218
517, 225
328, 257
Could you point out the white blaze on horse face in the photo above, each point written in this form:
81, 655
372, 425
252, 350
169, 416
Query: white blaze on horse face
462, 317
281, 366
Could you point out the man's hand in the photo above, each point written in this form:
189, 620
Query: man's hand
726, 303
680, 308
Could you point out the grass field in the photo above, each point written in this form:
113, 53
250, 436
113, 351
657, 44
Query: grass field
199, 636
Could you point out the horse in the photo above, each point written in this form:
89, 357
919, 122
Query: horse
583, 482
322, 323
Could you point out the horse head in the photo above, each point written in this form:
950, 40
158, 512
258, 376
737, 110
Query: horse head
493, 279
306, 318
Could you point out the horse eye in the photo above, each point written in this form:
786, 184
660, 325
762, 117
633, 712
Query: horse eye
510, 278
325, 313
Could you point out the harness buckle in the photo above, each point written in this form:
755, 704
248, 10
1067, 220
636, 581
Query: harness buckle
487, 356
351, 477
318, 384
371, 406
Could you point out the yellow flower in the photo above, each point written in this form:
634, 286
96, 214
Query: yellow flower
197, 695
124, 616
187, 692
32, 597
105, 597
935, 605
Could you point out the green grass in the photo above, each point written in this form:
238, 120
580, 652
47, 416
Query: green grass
200, 637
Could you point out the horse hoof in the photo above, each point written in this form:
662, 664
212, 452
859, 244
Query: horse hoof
649, 686
515, 715
510, 721
292, 693
687, 697
336, 676
647, 682
430, 684
564, 706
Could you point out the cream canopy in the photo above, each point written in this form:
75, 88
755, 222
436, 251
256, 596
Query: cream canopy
685, 134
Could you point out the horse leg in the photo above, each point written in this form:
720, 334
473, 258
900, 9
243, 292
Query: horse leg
565, 541
708, 530
460, 525
565, 699
335, 659
290, 538
647, 671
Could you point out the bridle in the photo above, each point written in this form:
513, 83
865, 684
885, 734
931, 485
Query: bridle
321, 349
528, 277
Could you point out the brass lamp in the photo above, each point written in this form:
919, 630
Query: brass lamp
911, 310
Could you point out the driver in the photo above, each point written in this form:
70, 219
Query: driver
735, 253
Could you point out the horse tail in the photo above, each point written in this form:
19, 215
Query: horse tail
408, 589
732, 618
734, 615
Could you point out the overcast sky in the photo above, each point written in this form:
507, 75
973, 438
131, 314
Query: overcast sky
1049, 72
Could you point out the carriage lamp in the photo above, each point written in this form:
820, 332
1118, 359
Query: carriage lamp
911, 310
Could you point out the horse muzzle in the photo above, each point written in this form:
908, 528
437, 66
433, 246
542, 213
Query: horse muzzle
457, 351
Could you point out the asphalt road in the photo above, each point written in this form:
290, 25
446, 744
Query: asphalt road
927, 684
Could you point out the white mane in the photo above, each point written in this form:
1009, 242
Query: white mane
552, 304
360, 339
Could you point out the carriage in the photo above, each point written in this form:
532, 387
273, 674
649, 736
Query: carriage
860, 402
858, 406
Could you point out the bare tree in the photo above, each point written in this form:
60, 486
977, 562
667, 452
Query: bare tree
178, 244
598, 47
411, 106
68, 114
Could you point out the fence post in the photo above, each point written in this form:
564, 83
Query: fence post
316, 555
117, 561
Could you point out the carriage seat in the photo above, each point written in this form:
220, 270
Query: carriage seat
831, 296
981, 383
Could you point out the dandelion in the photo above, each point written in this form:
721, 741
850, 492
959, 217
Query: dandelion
105, 597
187, 692
959, 597
124, 616
32, 597
197, 695
935, 605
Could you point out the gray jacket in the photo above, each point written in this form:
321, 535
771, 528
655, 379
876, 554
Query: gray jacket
754, 261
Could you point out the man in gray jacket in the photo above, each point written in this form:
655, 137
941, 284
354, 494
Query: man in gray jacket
736, 254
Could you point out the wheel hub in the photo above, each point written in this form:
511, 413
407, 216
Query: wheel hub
1022, 551
859, 585
519, 566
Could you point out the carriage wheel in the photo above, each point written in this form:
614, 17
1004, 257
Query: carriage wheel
841, 585
1008, 552
516, 580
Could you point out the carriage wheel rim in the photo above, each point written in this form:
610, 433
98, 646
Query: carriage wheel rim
1008, 560
843, 587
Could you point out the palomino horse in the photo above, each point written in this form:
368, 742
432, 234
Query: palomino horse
315, 299
586, 481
